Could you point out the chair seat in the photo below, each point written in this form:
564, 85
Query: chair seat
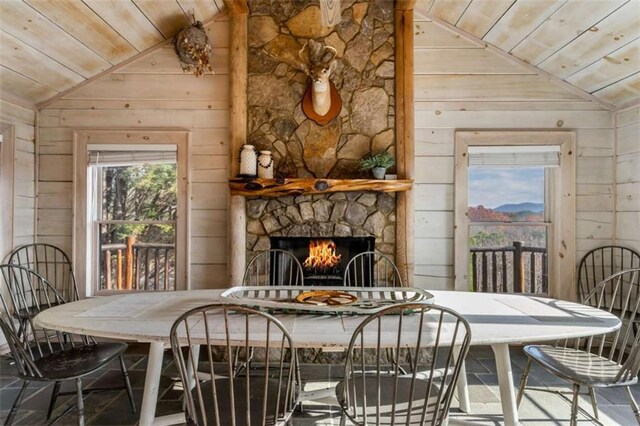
78, 361
578, 366
255, 408
388, 412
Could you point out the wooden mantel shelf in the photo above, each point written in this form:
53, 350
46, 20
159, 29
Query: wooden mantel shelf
297, 186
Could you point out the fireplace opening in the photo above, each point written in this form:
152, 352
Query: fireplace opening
324, 259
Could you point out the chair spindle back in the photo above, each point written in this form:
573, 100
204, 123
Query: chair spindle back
258, 398
431, 342
51, 263
601, 263
372, 269
273, 267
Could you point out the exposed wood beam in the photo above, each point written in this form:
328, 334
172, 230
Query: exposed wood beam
405, 4
47, 102
238, 75
405, 257
549, 77
236, 6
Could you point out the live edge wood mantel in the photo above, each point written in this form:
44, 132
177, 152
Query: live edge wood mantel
297, 186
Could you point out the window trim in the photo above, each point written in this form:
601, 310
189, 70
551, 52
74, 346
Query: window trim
561, 241
81, 255
7, 187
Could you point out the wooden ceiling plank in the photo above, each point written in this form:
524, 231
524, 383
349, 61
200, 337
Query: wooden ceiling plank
15, 100
167, 15
203, 9
464, 61
610, 69
213, 22
26, 60
26, 24
431, 35
128, 21
449, 10
519, 21
221, 5
622, 93
488, 87
573, 18
17, 84
608, 35
81, 22
547, 76
481, 16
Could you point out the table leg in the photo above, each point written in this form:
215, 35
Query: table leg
463, 388
505, 382
151, 384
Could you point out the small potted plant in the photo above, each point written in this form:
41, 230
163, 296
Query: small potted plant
377, 163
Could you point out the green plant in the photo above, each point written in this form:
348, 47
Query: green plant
381, 159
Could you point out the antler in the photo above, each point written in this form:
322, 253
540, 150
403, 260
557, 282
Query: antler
331, 49
303, 63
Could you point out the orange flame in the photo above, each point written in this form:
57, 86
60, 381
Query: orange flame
322, 254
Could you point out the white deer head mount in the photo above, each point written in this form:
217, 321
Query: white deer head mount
321, 102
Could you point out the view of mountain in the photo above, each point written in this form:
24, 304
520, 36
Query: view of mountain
520, 207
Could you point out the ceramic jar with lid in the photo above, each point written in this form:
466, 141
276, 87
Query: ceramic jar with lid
265, 165
248, 161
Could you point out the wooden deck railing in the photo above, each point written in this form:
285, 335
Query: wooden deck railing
511, 269
138, 266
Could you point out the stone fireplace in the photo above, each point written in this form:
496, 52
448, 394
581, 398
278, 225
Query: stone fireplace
363, 75
318, 190
337, 215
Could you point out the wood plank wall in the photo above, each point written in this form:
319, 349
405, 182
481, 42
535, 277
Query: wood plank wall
628, 178
23, 120
460, 85
151, 92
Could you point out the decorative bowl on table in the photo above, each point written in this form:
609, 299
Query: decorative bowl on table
324, 300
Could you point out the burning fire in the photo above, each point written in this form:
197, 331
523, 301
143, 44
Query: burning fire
322, 255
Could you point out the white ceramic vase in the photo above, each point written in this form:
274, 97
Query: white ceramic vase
248, 161
265, 165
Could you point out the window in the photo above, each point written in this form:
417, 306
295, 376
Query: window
132, 198
515, 208
135, 199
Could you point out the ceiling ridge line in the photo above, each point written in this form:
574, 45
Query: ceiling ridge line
550, 77
140, 55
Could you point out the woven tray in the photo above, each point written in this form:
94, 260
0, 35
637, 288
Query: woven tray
283, 299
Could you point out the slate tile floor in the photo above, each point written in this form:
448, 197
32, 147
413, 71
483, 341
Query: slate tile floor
542, 405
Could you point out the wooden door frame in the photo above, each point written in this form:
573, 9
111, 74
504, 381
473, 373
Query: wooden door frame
81, 139
562, 242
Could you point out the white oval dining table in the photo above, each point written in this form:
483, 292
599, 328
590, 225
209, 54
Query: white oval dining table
497, 320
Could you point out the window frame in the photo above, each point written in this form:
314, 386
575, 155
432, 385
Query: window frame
7, 187
83, 233
560, 204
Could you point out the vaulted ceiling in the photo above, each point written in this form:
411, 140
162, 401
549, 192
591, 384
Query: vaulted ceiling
593, 45
49, 46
